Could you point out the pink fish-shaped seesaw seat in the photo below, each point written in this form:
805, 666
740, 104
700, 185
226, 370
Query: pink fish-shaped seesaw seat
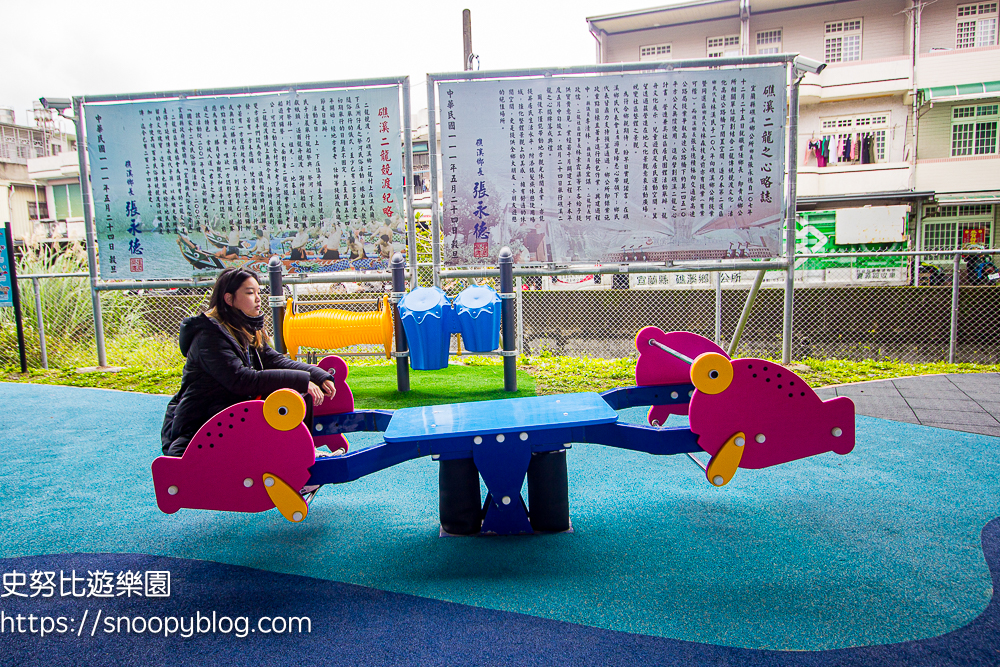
748, 413
657, 367
253, 456
342, 401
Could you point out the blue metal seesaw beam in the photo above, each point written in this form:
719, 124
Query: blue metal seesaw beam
548, 422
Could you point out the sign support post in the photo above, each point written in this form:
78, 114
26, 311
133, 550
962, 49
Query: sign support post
15, 296
793, 150
88, 221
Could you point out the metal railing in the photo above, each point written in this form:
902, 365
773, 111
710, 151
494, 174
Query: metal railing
841, 312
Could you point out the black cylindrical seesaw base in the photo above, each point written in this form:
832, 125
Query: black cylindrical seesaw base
460, 501
548, 492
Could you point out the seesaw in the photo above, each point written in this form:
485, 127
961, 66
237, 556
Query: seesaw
745, 413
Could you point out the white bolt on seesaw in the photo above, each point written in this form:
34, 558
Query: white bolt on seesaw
505, 500
172, 490
478, 440
268, 481
500, 437
837, 432
248, 482
740, 442
524, 436
760, 437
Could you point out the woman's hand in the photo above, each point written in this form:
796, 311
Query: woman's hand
319, 393
316, 393
328, 389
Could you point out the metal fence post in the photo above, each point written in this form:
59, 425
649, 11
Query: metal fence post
953, 339
41, 324
718, 308
520, 315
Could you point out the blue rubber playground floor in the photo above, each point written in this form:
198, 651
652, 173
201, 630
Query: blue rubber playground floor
880, 557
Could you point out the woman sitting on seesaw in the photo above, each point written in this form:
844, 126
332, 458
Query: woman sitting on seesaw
228, 360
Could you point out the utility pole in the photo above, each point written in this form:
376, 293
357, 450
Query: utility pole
467, 39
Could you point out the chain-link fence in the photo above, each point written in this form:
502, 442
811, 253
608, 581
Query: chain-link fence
878, 320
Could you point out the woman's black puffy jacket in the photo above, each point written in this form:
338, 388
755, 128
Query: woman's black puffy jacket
218, 372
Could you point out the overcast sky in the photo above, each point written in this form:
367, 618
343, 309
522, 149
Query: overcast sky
62, 48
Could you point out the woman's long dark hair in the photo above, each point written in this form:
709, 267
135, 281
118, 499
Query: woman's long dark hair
229, 282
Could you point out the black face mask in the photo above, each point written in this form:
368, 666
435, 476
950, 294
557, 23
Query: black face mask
244, 321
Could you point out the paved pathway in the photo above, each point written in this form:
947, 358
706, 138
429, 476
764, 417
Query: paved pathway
960, 402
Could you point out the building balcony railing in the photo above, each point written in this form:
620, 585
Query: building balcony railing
63, 165
959, 174
816, 181
958, 66
865, 78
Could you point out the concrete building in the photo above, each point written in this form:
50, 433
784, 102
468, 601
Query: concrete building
39, 179
918, 80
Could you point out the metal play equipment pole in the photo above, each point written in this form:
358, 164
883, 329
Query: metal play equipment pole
402, 352
507, 296
276, 300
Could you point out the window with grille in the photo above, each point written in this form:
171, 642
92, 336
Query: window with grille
843, 41
974, 130
769, 41
977, 25
727, 45
947, 234
38, 209
851, 135
654, 52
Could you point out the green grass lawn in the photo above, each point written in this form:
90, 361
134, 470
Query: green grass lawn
374, 387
